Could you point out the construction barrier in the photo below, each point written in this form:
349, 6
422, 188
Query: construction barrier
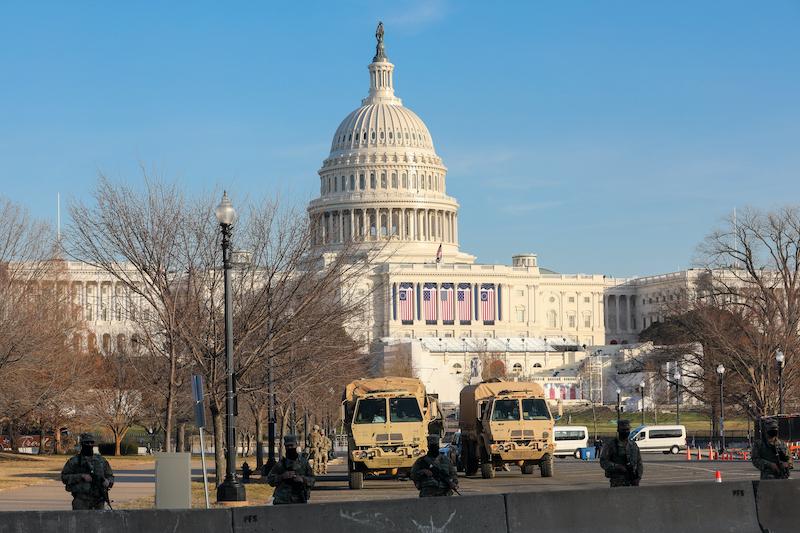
777, 500
477, 513
731, 507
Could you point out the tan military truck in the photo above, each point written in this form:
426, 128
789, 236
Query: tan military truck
504, 422
387, 420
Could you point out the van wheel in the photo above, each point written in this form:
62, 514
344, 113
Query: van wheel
356, 481
487, 471
675, 450
527, 468
546, 466
577, 454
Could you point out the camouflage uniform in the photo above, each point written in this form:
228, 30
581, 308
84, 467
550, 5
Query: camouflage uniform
291, 490
322, 458
444, 477
313, 445
621, 460
87, 494
772, 458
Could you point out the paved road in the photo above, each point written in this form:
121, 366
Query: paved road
569, 474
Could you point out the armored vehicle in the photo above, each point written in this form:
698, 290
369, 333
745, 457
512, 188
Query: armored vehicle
387, 421
504, 422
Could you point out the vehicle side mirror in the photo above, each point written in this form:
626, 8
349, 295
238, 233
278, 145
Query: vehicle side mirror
557, 418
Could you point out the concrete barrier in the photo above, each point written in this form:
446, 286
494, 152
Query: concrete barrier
728, 507
149, 520
462, 514
777, 503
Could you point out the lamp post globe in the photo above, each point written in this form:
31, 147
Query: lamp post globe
231, 489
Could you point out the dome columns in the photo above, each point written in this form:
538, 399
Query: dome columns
383, 223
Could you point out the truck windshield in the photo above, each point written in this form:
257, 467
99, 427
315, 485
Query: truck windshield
506, 410
404, 410
371, 411
535, 409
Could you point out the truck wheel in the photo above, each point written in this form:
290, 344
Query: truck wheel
470, 461
356, 480
546, 466
527, 467
487, 471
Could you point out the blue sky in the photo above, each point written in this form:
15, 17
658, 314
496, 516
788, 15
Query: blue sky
608, 137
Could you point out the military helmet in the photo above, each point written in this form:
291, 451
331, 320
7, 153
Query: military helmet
770, 423
86, 438
290, 440
433, 440
624, 425
316, 427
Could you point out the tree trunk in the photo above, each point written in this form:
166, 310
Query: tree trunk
170, 407
117, 443
40, 451
56, 440
12, 434
219, 442
180, 439
259, 439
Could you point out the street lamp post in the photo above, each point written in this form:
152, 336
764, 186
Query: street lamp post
721, 374
641, 388
230, 490
677, 377
780, 358
618, 405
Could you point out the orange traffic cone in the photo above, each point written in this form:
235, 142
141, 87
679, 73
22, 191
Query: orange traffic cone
688, 453
718, 476
699, 454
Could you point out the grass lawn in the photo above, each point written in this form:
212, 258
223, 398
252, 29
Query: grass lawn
21, 470
257, 494
607, 420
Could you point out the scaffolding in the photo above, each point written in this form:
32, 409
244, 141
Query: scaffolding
593, 378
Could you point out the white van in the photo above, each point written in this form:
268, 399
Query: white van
667, 439
569, 438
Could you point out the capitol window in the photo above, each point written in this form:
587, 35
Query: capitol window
520, 314
350, 137
413, 181
383, 180
517, 369
422, 181
372, 180
361, 184
372, 135
381, 135
405, 180
572, 299
394, 180
390, 135
586, 299
352, 182
587, 320
335, 184
571, 320
551, 319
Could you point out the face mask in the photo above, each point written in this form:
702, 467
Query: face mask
87, 450
623, 435
772, 433
291, 453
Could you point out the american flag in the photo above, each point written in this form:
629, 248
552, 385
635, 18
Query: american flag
487, 302
429, 303
447, 302
406, 297
464, 297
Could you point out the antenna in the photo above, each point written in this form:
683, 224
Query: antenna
58, 217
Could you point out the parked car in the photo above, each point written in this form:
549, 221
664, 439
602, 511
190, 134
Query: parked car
666, 439
569, 439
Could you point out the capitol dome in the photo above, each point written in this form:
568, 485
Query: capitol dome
383, 185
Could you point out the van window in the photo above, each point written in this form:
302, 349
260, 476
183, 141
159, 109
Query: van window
534, 409
404, 410
372, 411
666, 433
506, 410
572, 434
640, 436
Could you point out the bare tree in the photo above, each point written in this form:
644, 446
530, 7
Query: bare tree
744, 308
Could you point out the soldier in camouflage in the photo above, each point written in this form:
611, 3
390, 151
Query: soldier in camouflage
313, 448
770, 455
324, 448
433, 473
88, 477
292, 476
620, 458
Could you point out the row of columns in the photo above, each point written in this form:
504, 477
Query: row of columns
372, 224
102, 301
620, 313
381, 182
